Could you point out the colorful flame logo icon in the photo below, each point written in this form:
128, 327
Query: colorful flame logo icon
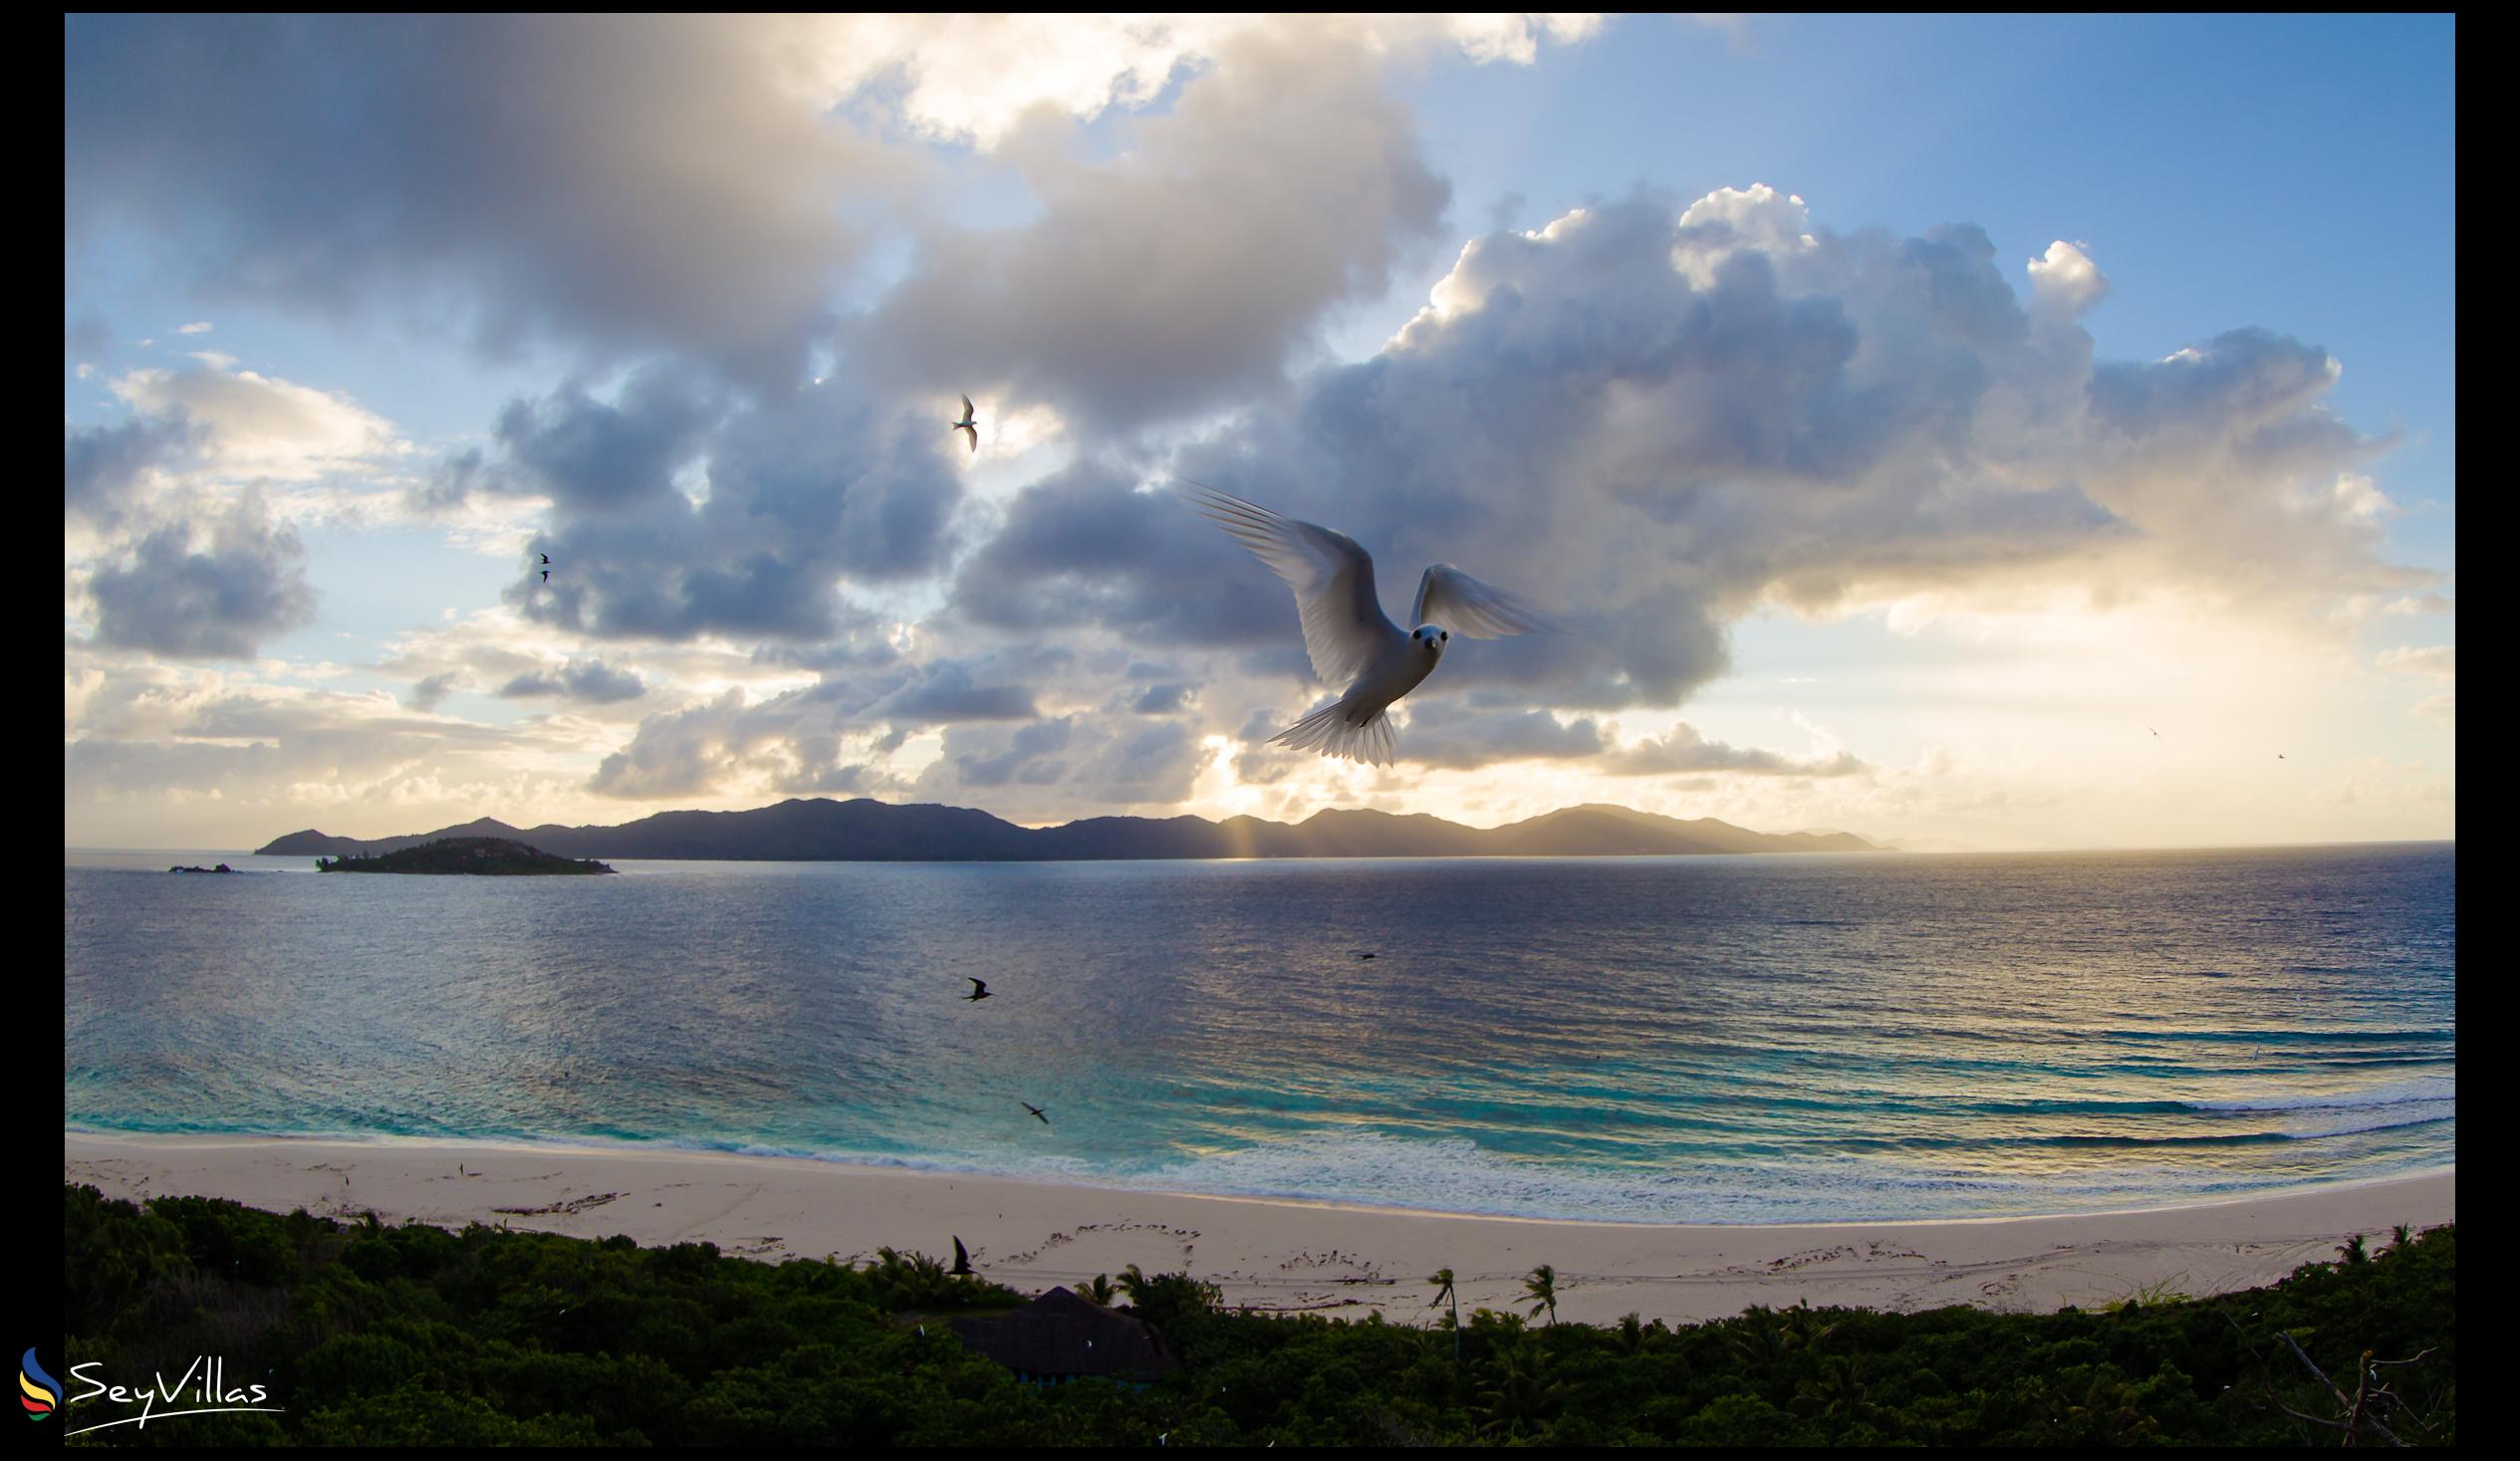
36, 1391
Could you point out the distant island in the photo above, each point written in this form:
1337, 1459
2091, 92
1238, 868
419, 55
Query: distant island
865, 831
222, 867
478, 856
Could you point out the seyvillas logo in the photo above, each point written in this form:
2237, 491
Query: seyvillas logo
39, 1392
203, 1382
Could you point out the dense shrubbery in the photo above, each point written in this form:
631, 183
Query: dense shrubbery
371, 1335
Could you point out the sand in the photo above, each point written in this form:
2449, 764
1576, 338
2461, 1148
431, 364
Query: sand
1272, 1255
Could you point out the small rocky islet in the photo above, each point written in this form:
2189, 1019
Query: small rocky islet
478, 856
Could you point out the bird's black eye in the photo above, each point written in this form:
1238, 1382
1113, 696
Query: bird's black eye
1447, 633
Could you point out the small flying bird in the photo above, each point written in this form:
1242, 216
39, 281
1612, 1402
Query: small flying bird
962, 1258
969, 423
2157, 735
2279, 755
547, 575
979, 988
546, 560
1368, 954
1036, 1111
1352, 643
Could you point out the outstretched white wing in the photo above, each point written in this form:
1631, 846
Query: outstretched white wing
1333, 579
1450, 598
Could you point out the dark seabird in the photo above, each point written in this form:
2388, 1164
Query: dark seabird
546, 560
1368, 954
547, 575
980, 988
1036, 1111
962, 1258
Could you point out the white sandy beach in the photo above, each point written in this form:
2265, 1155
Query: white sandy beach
1265, 1254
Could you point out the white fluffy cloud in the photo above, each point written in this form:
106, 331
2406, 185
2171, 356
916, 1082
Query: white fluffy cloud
259, 427
975, 82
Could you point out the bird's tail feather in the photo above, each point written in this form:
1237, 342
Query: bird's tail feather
1327, 730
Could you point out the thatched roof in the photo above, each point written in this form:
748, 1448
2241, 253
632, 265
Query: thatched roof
1059, 1333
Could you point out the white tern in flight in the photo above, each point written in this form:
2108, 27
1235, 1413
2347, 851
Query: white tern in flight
1351, 641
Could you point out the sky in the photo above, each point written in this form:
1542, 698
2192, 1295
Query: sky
1967, 432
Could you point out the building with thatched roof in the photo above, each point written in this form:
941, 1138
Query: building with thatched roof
1063, 1337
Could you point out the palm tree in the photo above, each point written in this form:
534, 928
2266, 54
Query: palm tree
1631, 1332
1442, 1280
1542, 1286
1100, 1290
1521, 1391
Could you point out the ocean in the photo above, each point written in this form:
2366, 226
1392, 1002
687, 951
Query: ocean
1725, 1039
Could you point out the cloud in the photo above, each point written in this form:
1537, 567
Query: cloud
2066, 282
1685, 750
680, 753
593, 455
104, 468
1443, 734
1035, 772
955, 82
431, 692
1727, 407
219, 600
1028, 753
615, 184
800, 491
2437, 662
197, 326
588, 681
946, 692
257, 426
1186, 270
1164, 699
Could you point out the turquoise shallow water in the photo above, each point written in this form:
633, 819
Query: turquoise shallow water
1659, 1039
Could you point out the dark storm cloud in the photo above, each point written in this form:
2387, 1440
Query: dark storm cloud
589, 681
218, 600
1187, 270
617, 184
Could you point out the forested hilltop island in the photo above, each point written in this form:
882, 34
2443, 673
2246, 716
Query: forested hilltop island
820, 830
371, 1334
479, 857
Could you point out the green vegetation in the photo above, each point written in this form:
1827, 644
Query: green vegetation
374, 1335
481, 857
